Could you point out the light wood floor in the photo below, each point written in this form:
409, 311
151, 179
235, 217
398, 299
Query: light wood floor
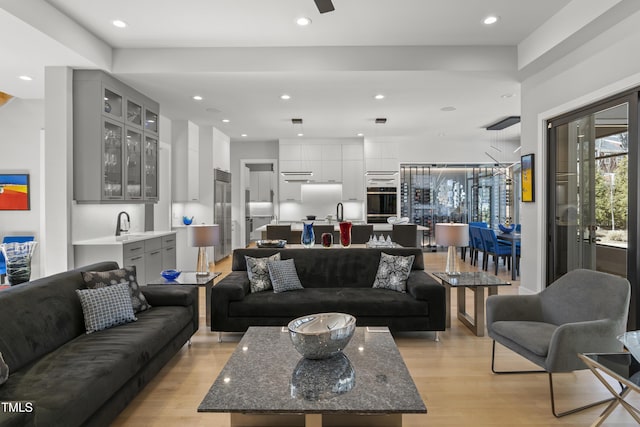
453, 376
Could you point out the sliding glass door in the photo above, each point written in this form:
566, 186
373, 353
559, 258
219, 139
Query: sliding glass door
588, 190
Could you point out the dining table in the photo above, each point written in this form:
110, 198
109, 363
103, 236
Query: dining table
514, 239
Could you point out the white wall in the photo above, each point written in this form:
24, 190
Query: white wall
21, 122
604, 66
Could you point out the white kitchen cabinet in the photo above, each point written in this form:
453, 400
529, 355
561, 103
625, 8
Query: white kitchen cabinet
261, 186
185, 161
353, 187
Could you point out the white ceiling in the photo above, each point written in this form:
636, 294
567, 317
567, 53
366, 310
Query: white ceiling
423, 55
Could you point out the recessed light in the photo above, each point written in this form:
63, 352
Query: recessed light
450, 108
225, 120
25, 78
379, 96
301, 134
119, 23
490, 20
360, 134
244, 135
197, 97
285, 96
303, 21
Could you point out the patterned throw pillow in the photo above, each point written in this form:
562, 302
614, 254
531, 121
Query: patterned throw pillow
258, 272
100, 279
284, 276
106, 307
393, 272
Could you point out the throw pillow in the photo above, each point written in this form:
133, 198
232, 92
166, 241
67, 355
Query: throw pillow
4, 370
106, 307
393, 272
100, 279
284, 276
258, 272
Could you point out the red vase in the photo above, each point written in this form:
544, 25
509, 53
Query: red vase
345, 234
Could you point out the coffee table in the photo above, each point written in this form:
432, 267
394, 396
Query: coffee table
476, 281
191, 278
266, 382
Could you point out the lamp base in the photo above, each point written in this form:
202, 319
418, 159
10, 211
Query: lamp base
452, 262
202, 266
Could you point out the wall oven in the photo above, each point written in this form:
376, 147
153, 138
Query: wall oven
382, 202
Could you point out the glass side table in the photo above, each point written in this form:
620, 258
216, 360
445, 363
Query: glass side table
623, 368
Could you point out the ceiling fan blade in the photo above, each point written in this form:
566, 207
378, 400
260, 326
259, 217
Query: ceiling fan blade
324, 6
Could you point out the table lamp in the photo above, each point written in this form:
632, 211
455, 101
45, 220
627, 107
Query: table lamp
452, 235
203, 236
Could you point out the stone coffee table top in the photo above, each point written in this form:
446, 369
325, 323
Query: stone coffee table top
265, 374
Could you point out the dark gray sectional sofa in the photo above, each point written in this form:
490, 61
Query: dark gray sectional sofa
335, 280
74, 379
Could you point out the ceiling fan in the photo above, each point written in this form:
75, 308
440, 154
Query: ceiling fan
324, 6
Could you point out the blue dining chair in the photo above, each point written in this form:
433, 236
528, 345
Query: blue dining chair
478, 245
494, 248
10, 239
472, 248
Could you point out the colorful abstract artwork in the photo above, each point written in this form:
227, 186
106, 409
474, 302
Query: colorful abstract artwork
14, 192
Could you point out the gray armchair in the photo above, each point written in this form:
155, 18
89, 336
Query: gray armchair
581, 312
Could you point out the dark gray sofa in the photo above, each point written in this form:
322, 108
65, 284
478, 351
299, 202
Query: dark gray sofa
74, 379
335, 280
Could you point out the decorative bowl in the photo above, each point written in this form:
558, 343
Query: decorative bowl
320, 336
186, 220
631, 340
170, 274
314, 380
506, 228
271, 243
394, 220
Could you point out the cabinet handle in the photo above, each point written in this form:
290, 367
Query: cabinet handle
170, 249
170, 241
155, 253
135, 249
136, 258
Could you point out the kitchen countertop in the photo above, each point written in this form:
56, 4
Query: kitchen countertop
125, 238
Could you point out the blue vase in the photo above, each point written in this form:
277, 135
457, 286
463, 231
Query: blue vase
308, 236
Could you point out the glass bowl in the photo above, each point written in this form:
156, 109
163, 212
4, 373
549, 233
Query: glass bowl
170, 274
506, 228
323, 335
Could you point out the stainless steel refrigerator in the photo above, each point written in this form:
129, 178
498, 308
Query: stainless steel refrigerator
222, 211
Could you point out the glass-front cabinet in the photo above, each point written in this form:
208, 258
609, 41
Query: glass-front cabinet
120, 131
112, 160
150, 168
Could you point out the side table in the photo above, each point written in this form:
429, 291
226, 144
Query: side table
476, 281
622, 367
190, 278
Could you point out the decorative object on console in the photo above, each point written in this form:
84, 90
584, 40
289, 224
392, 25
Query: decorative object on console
393, 272
203, 236
271, 243
323, 335
284, 276
258, 272
186, 220
170, 274
17, 257
452, 235
127, 276
106, 307
308, 238
345, 234
327, 240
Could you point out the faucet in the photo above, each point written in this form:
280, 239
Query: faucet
339, 212
118, 223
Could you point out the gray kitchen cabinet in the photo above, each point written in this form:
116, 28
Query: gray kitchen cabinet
115, 144
169, 260
152, 258
133, 255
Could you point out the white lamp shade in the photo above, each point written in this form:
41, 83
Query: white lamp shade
450, 234
204, 235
